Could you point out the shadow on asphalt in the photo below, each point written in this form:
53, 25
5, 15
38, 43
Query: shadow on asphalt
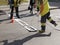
19, 11
22, 41
1, 20
26, 15
2, 12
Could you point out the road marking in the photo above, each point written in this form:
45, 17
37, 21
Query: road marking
17, 20
25, 25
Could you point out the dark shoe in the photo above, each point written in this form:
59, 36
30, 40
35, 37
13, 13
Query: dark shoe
29, 8
41, 31
18, 17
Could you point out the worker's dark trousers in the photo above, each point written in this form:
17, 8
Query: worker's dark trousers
31, 9
16, 10
43, 20
31, 5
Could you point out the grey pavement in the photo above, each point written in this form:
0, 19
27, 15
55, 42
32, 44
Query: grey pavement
16, 34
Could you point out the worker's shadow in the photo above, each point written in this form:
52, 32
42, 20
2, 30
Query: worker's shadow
26, 15
6, 19
2, 13
22, 41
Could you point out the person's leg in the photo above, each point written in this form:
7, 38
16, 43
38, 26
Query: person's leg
31, 10
17, 12
31, 6
50, 20
53, 22
43, 25
12, 8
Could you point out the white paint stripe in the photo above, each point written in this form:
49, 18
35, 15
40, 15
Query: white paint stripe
19, 22
22, 21
26, 24
22, 24
27, 27
33, 28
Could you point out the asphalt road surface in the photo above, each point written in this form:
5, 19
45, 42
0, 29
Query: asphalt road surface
17, 33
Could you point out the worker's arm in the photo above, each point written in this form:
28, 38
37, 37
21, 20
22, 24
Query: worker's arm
41, 6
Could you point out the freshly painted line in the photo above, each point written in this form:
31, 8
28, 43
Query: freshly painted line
22, 24
26, 24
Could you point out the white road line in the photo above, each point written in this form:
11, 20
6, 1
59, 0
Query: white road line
19, 20
28, 25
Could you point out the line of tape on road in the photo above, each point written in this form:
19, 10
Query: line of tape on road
27, 24
22, 24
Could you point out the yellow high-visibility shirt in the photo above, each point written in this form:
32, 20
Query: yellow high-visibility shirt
46, 7
16, 2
